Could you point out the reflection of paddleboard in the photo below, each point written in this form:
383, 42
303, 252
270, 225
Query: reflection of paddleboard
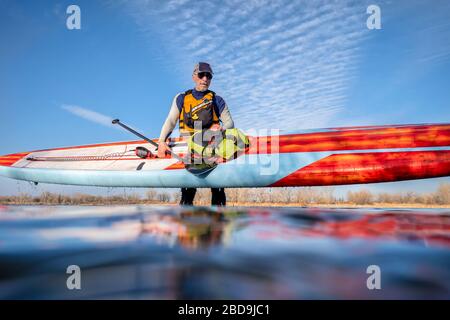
307, 158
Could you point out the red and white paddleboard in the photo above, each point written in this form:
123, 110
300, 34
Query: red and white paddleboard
332, 156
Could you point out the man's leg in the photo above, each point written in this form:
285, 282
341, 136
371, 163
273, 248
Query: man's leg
187, 196
218, 197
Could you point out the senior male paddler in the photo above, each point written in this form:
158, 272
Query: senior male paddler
199, 105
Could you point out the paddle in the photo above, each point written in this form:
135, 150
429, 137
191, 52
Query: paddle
196, 170
173, 154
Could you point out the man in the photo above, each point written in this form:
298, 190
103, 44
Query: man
193, 108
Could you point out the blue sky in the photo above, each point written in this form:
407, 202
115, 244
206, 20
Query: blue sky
278, 64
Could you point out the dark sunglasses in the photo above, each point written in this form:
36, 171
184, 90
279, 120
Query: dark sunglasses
200, 75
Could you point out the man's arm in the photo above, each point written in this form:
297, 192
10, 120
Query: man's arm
225, 117
168, 127
171, 121
224, 113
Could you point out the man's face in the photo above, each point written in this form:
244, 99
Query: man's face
202, 80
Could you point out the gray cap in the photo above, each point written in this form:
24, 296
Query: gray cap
203, 67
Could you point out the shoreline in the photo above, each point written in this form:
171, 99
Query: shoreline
248, 197
247, 204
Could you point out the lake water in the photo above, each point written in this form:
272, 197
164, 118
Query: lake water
153, 252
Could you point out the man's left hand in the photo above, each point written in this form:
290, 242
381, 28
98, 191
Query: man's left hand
216, 127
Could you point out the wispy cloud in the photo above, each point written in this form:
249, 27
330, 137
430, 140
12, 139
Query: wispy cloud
89, 115
437, 49
431, 38
95, 116
285, 64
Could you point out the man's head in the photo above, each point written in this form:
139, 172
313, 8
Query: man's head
202, 76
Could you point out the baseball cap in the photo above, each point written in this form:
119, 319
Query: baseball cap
203, 67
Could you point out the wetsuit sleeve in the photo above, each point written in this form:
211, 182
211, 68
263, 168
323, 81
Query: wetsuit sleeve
171, 120
224, 113
225, 117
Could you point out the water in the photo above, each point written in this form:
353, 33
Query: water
148, 252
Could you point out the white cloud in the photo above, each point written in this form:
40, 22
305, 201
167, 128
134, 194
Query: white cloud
89, 115
278, 64
94, 116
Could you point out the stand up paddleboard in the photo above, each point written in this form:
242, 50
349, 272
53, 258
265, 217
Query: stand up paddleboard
334, 156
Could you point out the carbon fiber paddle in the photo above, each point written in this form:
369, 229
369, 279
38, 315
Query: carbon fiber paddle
194, 169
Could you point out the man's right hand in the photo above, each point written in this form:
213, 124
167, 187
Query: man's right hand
162, 149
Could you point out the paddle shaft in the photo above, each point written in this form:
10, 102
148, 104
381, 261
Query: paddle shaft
117, 121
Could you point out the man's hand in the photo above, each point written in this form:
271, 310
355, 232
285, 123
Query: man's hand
162, 149
216, 127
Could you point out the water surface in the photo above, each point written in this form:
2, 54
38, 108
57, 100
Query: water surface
148, 252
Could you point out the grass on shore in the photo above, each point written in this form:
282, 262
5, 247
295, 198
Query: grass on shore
305, 196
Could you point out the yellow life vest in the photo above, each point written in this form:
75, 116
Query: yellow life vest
197, 110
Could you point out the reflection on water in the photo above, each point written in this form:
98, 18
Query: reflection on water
147, 252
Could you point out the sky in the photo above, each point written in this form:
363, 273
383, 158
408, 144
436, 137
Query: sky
285, 65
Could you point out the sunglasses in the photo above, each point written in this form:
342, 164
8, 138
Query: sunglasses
200, 75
